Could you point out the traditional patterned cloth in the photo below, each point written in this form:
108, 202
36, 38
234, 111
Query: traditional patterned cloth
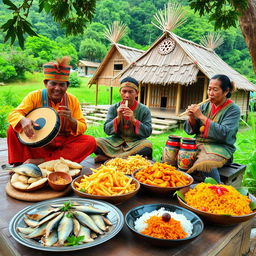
73, 146
125, 142
57, 71
215, 139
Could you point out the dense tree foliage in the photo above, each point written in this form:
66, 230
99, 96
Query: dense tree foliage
226, 14
138, 15
73, 15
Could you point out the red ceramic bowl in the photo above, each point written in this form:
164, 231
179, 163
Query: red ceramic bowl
59, 181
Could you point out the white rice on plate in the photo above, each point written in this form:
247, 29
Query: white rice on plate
140, 223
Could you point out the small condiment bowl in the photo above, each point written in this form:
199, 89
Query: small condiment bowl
59, 181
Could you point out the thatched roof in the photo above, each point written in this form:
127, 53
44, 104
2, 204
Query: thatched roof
181, 65
130, 55
86, 63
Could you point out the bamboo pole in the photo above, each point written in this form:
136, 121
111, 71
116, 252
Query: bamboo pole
199, 104
148, 95
178, 100
111, 95
97, 92
139, 93
205, 88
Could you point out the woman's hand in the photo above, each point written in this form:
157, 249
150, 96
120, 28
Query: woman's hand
194, 111
28, 127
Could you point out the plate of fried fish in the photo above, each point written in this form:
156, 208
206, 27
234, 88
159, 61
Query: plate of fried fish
66, 224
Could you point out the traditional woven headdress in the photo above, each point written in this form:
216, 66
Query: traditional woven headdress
129, 82
57, 71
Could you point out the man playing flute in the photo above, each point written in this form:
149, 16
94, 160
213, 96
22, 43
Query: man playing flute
128, 123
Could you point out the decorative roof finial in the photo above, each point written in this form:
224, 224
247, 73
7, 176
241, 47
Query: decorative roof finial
115, 31
212, 40
170, 18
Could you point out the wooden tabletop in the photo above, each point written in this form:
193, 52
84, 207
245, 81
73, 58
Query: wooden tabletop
214, 240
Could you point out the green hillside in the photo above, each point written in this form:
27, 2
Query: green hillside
92, 45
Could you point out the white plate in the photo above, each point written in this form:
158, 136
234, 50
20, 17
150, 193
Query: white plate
114, 215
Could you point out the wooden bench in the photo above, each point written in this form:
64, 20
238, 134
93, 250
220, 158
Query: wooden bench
232, 174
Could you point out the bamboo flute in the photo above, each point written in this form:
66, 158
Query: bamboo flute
199, 104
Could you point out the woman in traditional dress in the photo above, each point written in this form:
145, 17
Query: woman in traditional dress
129, 124
215, 124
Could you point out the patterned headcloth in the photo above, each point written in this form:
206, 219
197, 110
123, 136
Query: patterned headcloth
57, 71
130, 82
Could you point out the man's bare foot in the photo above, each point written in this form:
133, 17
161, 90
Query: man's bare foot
35, 161
100, 158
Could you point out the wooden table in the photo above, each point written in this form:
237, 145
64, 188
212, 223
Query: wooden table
215, 240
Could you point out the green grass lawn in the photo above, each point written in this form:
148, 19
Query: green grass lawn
158, 142
84, 94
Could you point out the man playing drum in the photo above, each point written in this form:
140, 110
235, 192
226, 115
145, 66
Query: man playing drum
129, 124
70, 143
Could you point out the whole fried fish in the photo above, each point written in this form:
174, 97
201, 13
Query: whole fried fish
89, 209
39, 231
52, 224
99, 221
86, 233
86, 220
41, 214
51, 239
31, 170
64, 229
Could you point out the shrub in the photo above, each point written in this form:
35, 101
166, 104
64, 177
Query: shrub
246, 154
7, 71
9, 98
74, 80
4, 112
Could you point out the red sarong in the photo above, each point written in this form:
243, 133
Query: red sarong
74, 148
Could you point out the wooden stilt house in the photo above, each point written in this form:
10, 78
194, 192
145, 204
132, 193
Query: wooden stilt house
174, 73
117, 59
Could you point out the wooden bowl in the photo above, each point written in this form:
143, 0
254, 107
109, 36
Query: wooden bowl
111, 199
162, 191
137, 212
53, 178
219, 219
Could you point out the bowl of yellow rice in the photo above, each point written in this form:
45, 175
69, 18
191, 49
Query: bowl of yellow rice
219, 204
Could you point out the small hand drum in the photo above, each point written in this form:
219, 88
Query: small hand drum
48, 129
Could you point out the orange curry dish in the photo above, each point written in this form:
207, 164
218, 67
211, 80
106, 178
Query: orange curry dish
162, 175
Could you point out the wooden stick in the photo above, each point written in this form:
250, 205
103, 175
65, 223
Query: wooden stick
199, 104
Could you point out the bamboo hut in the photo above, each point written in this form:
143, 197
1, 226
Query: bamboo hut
117, 59
174, 72
87, 68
